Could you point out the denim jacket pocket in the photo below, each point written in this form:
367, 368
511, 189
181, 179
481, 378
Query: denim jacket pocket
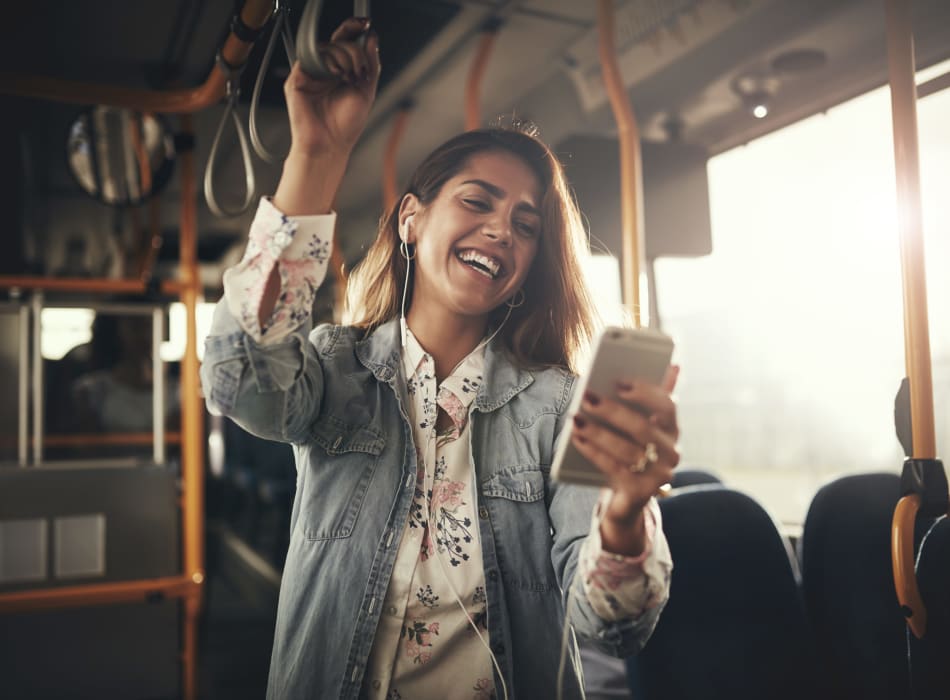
342, 462
522, 529
526, 486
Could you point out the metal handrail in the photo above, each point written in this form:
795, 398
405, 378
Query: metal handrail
473, 85
91, 285
235, 51
140, 590
390, 185
901, 74
631, 177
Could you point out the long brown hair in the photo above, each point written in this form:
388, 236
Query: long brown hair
554, 325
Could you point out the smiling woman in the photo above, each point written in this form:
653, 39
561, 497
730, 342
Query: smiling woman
425, 429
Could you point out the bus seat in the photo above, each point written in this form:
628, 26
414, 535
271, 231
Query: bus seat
264, 477
693, 477
930, 656
849, 590
734, 626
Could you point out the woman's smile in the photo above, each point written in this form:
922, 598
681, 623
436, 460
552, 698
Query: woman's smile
482, 263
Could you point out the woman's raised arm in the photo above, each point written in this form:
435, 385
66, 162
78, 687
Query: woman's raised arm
327, 117
259, 367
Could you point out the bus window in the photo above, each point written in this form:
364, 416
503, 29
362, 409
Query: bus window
99, 379
791, 332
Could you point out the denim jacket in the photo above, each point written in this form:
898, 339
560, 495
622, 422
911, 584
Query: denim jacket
340, 399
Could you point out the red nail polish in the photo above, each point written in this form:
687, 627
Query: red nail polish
592, 398
579, 421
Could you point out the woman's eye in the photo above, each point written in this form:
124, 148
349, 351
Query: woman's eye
526, 229
477, 204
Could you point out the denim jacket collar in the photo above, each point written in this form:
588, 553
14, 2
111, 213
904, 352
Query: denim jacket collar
379, 353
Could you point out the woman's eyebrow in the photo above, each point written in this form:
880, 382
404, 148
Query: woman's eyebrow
498, 193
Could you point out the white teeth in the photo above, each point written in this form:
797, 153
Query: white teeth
482, 263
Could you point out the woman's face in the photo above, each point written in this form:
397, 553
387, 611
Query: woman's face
476, 240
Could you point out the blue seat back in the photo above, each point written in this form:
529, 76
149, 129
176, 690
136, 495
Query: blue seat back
693, 477
848, 586
734, 626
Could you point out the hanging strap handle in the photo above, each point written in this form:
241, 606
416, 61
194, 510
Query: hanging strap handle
308, 51
230, 111
281, 27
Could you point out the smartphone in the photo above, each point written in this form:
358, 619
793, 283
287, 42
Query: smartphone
637, 354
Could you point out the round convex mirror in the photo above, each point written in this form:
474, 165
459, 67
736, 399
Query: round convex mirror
119, 156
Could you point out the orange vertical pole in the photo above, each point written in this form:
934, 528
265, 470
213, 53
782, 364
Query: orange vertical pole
901, 74
631, 175
191, 422
390, 186
473, 86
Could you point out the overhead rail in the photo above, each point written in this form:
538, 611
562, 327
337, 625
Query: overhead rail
923, 483
473, 85
234, 52
631, 169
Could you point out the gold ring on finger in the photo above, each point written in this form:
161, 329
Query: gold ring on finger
648, 457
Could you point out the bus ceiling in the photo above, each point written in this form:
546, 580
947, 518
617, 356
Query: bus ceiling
695, 70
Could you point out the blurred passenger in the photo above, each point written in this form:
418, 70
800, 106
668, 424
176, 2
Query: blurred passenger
117, 397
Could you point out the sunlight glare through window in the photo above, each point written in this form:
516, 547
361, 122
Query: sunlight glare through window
790, 334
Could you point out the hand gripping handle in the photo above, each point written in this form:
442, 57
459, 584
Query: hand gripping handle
308, 50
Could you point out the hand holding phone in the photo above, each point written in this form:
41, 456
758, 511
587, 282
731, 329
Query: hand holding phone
620, 355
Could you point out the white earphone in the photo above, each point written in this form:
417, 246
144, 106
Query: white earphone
405, 232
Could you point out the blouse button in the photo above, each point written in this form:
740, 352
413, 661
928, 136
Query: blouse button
483, 512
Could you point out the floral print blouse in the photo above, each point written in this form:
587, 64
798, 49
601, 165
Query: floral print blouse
426, 643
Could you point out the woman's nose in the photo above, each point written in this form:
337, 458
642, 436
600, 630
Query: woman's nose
498, 230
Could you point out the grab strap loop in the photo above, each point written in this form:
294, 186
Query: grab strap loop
281, 27
232, 93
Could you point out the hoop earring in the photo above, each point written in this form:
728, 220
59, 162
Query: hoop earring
404, 251
511, 305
